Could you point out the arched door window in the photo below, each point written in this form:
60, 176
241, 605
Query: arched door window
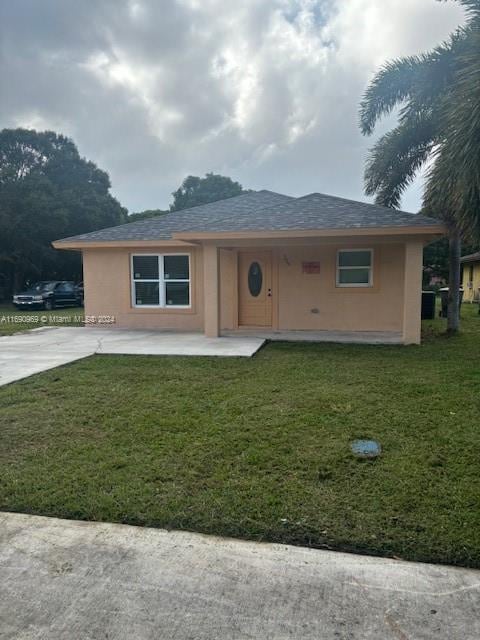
255, 279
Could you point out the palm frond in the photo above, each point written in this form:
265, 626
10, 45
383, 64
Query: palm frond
390, 86
453, 186
465, 3
472, 6
453, 197
397, 156
417, 80
439, 98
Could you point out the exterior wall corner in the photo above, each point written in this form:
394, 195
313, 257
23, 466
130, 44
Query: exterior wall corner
412, 304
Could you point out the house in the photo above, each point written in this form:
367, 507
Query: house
471, 277
262, 262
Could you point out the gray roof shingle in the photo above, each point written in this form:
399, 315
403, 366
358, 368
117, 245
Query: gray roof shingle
262, 211
200, 217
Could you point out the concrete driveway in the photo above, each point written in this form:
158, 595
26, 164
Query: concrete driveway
63, 579
23, 354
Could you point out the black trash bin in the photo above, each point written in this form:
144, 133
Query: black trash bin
428, 305
444, 299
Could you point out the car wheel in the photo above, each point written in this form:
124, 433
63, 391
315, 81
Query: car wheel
48, 305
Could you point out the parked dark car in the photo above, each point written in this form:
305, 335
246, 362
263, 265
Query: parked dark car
48, 295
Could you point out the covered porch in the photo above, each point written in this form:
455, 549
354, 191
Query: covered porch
290, 289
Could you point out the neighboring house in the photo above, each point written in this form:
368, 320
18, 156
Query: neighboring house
261, 261
471, 277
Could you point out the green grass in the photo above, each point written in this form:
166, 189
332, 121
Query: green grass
259, 448
14, 321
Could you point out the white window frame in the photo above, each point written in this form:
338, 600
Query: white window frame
349, 285
161, 281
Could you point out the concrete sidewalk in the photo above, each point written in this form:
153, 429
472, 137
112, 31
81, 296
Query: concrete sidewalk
24, 354
63, 579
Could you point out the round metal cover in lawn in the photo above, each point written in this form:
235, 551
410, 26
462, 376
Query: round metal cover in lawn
366, 448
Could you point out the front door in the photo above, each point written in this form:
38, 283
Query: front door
255, 289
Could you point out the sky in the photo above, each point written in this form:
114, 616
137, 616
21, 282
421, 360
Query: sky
264, 91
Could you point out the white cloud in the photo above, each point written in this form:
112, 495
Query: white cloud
266, 91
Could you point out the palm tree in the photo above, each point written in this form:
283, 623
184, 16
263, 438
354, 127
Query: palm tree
438, 94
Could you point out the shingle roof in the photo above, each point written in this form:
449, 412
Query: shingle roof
200, 217
317, 211
473, 257
262, 211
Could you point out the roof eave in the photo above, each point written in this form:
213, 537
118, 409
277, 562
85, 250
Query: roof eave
415, 230
185, 238
467, 259
80, 245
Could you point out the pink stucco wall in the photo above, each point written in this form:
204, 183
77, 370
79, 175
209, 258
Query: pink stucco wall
301, 301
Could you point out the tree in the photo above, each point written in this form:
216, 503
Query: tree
436, 259
435, 262
194, 191
438, 93
148, 213
47, 191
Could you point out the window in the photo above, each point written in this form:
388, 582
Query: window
64, 287
255, 279
355, 268
161, 280
43, 286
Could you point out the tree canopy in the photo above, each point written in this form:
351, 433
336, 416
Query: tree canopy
194, 191
148, 213
47, 191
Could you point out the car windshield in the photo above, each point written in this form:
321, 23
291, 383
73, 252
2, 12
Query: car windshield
43, 286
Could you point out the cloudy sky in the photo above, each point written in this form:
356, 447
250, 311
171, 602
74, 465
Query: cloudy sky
265, 91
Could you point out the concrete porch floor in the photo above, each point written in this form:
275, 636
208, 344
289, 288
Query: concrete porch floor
347, 337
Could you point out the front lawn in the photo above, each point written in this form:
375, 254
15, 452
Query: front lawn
13, 321
259, 448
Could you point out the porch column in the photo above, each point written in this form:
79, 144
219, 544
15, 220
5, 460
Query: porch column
412, 297
211, 290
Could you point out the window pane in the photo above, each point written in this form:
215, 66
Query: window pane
145, 267
177, 293
64, 288
146, 293
175, 268
353, 276
354, 258
255, 279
